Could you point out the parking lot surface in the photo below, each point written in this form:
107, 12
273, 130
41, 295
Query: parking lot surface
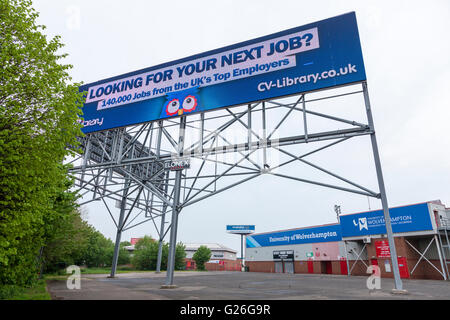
242, 286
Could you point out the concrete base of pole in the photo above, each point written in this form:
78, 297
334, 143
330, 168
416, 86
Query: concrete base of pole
396, 291
111, 277
168, 286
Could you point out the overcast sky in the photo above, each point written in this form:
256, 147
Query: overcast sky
406, 52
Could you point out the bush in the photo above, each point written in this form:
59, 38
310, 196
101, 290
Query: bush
125, 268
180, 255
9, 291
201, 256
146, 253
98, 251
124, 256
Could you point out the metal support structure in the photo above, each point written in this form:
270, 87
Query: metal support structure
127, 164
441, 259
383, 197
119, 230
161, 234
358, 255
242, 251
422, 256
175, 209
163, 216
443, 247
346, 258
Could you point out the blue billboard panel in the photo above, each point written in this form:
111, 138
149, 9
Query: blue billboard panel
403, 219
299, 236
244, 229
315, 56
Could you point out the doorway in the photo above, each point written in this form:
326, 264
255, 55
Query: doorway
326, 267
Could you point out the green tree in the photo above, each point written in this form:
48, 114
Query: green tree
98, 251
124, 256
180, 255
145, 255
125, 243
66, 243
201, 256
39, 109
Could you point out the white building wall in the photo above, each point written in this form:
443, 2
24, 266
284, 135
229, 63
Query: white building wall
354, 248
439, 215
324, 251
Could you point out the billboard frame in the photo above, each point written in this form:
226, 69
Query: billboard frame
126, 164
121, 162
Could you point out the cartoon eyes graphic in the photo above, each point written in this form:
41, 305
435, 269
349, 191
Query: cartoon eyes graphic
173, 106
181, 102
189, 104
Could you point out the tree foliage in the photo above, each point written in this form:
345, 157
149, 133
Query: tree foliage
66, 238
201, 256
74, 241
146, 253
39, 109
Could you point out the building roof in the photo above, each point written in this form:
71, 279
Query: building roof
211, 246
195, 246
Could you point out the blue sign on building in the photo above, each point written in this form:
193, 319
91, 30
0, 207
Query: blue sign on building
299, 236
319, 55
244, 229
403, 219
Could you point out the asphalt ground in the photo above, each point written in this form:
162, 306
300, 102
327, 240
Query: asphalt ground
243, 286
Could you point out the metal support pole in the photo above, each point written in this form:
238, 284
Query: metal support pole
346, 258
305, 125
444, 274
119, 153
175, 211
119, 230
202, 130
160, 244
161, 231
242, 251
158, 142
264, 140
443, 252
249, 130
387, 218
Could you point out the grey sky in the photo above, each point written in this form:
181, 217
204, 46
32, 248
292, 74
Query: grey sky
405, 47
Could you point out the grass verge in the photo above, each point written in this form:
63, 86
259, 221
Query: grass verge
37, 292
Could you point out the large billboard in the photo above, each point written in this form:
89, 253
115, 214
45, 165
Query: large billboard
328, 233
314, 56
403, 219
